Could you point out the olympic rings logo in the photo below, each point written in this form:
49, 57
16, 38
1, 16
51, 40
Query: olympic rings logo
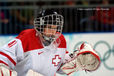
107, 54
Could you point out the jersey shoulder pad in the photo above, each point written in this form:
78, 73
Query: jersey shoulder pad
62, 41
29, 40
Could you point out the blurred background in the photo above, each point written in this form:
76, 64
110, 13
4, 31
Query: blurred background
80, 15
85, 21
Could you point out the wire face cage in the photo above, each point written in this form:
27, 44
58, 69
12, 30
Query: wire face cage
50, 26
49, 20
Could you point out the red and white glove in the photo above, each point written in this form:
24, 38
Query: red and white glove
6, 71
33, 73
86, 58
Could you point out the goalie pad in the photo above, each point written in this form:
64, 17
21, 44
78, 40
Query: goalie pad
5, 71
86, 58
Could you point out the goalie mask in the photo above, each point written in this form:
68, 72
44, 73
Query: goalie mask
49, 23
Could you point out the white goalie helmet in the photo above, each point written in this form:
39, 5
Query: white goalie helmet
49, 19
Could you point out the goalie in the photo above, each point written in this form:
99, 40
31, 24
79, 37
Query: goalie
42, 51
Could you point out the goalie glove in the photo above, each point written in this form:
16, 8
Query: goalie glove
5, 71
33, 73
85, 58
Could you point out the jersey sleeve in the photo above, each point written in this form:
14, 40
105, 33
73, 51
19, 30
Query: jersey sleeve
62, 62
62, 45
11, 53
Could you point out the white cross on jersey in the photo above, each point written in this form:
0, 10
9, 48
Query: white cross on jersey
56, 60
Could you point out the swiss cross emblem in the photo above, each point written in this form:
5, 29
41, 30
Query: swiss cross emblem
56, 60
